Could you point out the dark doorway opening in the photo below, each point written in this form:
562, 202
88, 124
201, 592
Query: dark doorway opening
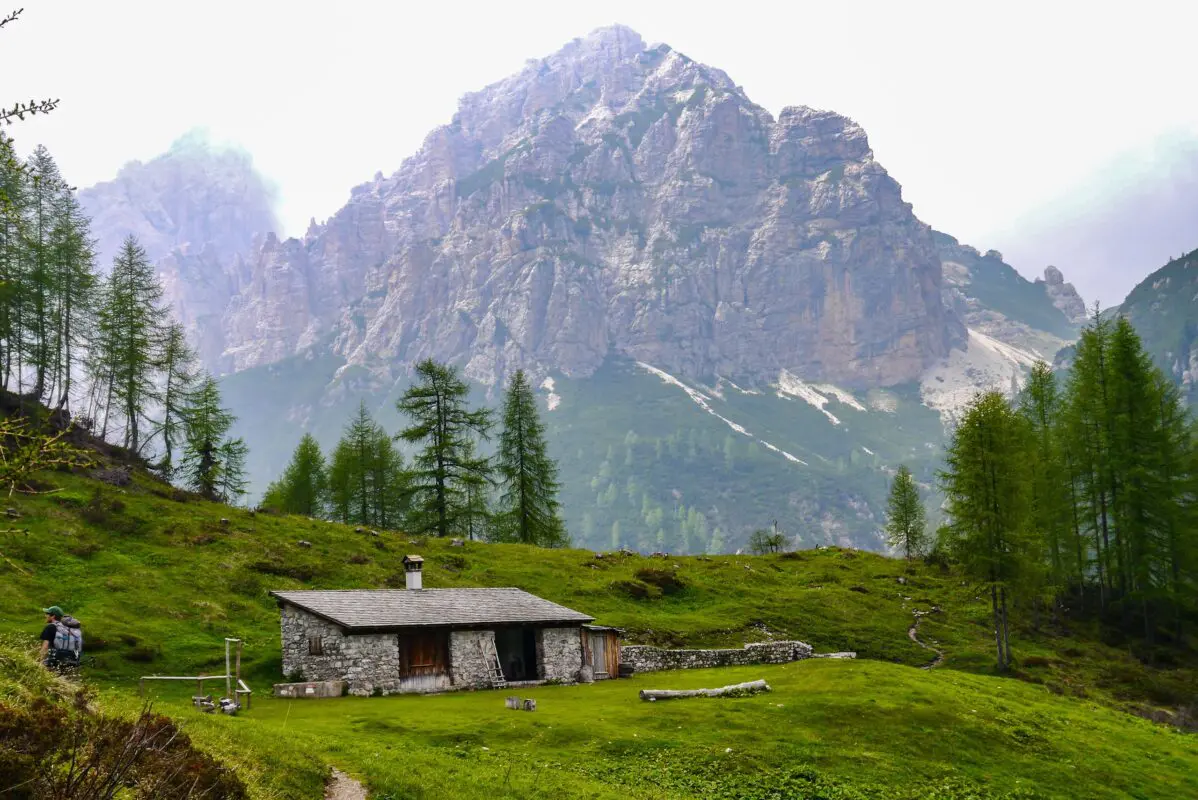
517, 648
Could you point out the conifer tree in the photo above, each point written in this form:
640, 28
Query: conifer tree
528, 506
477, 520
231, 482
986, 488
133, 322
388, 482
366, 476
447, 466
342, 483
12, 199
212, 464
361, 435
1050, 499
906, 522
304, 486
45, 182
177, 365
74, 283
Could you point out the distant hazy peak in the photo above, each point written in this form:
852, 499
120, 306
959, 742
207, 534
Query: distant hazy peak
195, 195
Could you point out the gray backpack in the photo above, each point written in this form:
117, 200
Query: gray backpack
68, 641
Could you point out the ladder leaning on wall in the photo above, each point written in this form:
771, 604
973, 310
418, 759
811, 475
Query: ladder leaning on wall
491, 659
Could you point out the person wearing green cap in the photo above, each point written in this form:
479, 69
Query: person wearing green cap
62, 639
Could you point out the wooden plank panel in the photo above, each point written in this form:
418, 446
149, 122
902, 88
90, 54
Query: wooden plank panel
425, 653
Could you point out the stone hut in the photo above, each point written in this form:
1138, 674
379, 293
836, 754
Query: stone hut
428, 640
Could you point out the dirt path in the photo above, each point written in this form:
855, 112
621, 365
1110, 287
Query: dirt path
343, 787
913, 635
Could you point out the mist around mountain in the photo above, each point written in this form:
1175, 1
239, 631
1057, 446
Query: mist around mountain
1137, 212
197, 195
731, 318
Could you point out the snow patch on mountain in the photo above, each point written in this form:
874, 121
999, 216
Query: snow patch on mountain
788, 456
720, 381
839, 394
816, 395
702, 401
554, 399
986, 364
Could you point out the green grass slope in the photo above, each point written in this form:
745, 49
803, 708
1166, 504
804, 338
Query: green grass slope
827, 730
159, 580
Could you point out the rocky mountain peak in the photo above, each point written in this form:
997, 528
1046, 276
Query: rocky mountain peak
1064, 296
612, 198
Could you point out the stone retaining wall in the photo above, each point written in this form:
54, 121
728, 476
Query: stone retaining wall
654, 659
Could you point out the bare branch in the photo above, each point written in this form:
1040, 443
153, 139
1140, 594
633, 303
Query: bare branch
11, 17
32, 108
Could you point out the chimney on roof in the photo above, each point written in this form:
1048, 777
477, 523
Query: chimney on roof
413, 567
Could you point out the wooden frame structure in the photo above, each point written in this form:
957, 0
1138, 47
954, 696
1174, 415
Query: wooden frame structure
234, 685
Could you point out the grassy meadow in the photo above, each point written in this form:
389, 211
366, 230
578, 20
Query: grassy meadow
160, 578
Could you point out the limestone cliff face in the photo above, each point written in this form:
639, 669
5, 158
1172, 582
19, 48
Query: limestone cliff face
614, 198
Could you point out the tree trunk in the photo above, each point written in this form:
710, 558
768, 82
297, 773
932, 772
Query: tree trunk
998, 637
1006, 629
736, 690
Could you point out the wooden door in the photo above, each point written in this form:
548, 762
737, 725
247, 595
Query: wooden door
599, 652
423, 654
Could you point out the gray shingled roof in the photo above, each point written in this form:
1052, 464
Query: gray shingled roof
405, 608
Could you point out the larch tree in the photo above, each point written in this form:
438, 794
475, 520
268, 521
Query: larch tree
343, 483
135, 321
231, 481
74, 282
447, 466
906, 520
177, 365
212, 465
388, 482
367, 482
528, 505
986, 489
304, 486
1050, 499
45, 183
361, 434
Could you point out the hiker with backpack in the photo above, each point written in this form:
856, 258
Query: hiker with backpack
62, 640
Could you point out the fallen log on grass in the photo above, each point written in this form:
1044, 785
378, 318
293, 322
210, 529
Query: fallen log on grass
736, 690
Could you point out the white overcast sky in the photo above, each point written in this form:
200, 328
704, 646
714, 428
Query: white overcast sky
982, 111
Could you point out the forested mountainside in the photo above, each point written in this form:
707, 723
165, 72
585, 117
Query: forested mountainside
731, 318
1164, 309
